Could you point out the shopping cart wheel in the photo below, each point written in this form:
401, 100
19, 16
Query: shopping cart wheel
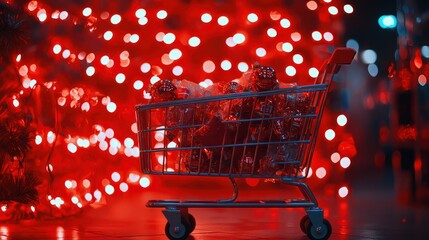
192, 223
320, 233
180, 232
304, 223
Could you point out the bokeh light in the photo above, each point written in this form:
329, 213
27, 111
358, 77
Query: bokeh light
387, 21
111, 107
243, 67
343, 192
109, 189
252, 17
287, 47
373, 70
369, 56
140, 13
222, 20
345, 162
209, 66
169, 38
297, 58
328, 36
261, 52
144, 182
352, 43
226, 65
116, 19
329, 134
425, 51
177, 70
123, 187
342, 120
333, 10
422, 80
238, 38
115, 177
138, 84
271, 32
296, 36
206, 18
194, 41
316, 35
285, 23
162, 14
290, 71
312, 5
321, 172
335, 157
313, 72
348, 8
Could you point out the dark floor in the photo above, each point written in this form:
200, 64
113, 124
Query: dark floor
372, 210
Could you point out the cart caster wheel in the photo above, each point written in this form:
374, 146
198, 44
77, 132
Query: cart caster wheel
305, 221
180, 232
192, 223
321, 233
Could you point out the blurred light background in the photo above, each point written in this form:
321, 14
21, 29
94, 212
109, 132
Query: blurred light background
71, 73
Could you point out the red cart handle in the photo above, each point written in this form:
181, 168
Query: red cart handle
339, 57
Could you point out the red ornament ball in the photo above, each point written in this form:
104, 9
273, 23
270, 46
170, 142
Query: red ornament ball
263, 78
163, 90
231, 87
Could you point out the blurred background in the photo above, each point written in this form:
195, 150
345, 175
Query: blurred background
71, 73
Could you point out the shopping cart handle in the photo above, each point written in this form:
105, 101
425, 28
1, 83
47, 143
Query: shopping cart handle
342, 56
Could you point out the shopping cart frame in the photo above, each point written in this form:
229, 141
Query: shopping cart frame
180, 223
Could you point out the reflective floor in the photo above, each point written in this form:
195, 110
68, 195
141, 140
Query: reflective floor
371, 211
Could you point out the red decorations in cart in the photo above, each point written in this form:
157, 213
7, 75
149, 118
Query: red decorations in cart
225, 136
163, 90
263, 78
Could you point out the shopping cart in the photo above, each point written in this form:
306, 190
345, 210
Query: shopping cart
269, 135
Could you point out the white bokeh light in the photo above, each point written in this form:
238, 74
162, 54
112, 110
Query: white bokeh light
222, 20
206, 18
252, 17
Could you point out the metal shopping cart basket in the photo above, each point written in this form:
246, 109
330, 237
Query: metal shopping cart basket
269, 134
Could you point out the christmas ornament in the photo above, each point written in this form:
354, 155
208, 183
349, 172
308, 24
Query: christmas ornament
162, 91
231, 87
263, 78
